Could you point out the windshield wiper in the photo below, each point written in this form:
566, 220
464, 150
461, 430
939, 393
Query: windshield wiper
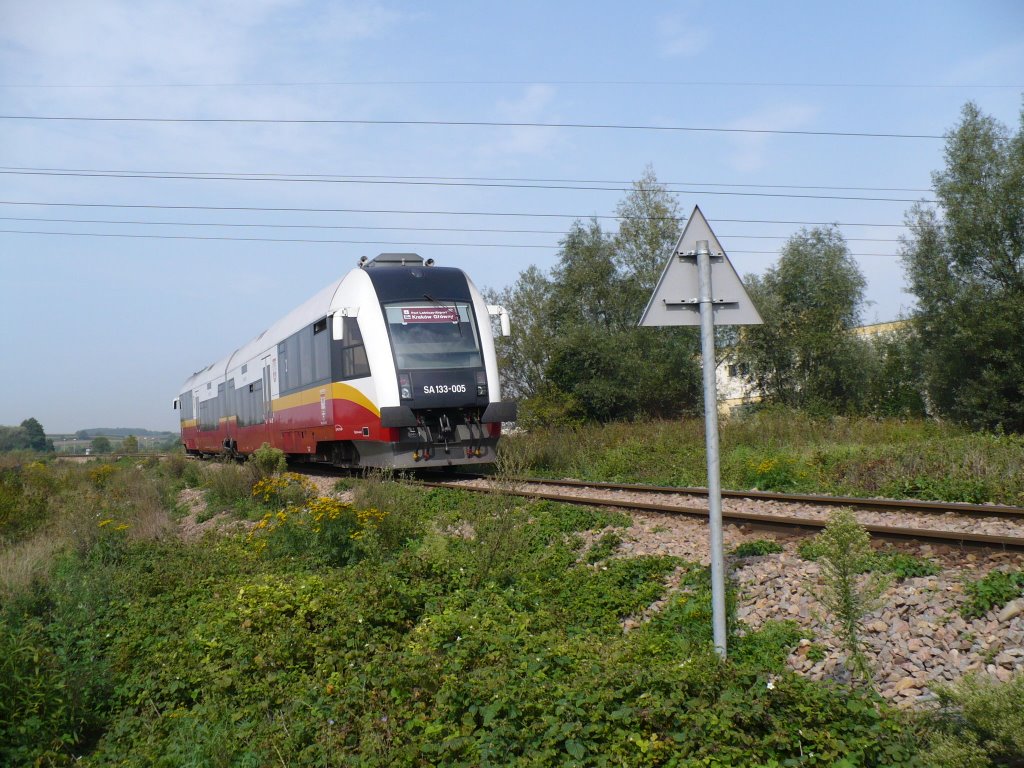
455, 307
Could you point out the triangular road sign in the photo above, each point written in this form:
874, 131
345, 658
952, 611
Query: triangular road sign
676, 298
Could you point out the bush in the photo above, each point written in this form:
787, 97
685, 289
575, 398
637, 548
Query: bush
903, 566
757, 548
604, 547
406, 510
845, 554
980, 724
331, 649
36, 722
324, 529
810, 548
992, 591
228, 485
775, 473
550, 408
175, 465
266, 461
279, 492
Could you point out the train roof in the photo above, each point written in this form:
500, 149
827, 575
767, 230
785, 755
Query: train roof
308, 312
390, 283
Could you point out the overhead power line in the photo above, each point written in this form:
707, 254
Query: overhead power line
621, 185
406, 182
270, 239
150, 223
465, 123
329, 242
617, 83
253, 208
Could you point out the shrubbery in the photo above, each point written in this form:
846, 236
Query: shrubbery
992, 591
980, 724
412, 627
757, 548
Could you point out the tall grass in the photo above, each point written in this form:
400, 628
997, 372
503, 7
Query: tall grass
786, 450
54, 507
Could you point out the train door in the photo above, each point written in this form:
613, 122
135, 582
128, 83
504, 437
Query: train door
268, 392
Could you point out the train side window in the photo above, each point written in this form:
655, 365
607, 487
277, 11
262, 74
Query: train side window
305, 356
321, 351
353, 361
290, 363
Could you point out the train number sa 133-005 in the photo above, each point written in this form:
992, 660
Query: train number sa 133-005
443, 389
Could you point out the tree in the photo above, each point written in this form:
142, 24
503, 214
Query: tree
895, 385
523, 355
803, 355
610, 367
130, 444
576, 351
648, 230
965, 265
29, 436
35, 436
101, 444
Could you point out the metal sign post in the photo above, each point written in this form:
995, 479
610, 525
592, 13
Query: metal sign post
707, 351
721, 300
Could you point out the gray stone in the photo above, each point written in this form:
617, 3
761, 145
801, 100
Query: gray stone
1010, 610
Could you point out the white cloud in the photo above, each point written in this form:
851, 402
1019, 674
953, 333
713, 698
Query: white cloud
994, 65
173, 41
533, 106
750, 149
681, 35
112, 42
360, 21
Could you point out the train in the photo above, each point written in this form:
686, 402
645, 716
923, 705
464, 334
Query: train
391, 366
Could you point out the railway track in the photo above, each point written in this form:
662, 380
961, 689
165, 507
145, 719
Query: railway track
999, 527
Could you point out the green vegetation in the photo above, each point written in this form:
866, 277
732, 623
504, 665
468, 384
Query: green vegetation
101, 444
576, 356
980, 725
604, 547
810, 548
576, 353
804, 355
29, 436
899, 565
786, 450
992, 591
844, 555
757, 548
965, 264
902, 566
412, 627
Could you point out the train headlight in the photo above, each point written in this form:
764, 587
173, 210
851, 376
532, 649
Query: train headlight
405, 387
481, 384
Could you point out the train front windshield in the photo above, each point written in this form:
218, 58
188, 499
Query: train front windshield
427, 335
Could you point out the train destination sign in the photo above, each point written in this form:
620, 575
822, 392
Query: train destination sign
430, 315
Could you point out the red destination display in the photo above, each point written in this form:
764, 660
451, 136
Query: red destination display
430, 315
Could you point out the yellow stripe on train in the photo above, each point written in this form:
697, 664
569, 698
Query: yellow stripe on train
334, 391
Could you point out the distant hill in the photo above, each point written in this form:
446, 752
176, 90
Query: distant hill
88, 434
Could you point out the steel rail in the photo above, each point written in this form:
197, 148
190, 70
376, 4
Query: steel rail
908, 505
776, 522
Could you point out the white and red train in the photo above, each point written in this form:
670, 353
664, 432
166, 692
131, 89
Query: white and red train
393, 365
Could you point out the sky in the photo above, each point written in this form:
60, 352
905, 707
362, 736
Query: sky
117, 282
